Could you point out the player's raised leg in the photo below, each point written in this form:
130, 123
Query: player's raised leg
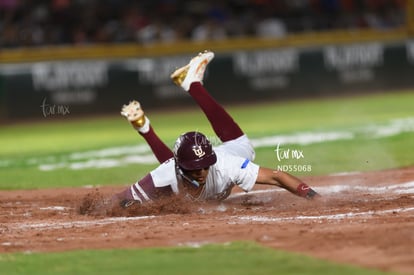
136, 116
190, 78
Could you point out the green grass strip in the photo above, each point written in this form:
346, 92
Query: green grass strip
235, 258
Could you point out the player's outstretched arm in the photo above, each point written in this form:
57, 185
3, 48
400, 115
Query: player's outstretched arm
284, 180
136, 117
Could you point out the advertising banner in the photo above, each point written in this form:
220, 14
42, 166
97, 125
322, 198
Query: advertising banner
84, 87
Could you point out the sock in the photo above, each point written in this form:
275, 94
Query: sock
160, 150
223, 124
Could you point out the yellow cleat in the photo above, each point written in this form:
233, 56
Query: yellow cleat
179, 75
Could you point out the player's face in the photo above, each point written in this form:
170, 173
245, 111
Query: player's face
199, 175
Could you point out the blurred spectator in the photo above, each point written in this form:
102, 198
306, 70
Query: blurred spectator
209, 29
28, 23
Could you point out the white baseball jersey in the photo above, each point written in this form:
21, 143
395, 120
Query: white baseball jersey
233, 167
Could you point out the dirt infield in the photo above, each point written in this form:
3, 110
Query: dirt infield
365, 219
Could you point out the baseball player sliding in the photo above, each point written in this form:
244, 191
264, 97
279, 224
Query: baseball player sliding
194, 167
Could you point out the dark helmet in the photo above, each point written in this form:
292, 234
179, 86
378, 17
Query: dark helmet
193, 151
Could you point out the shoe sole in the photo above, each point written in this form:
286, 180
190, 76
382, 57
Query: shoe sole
134, 113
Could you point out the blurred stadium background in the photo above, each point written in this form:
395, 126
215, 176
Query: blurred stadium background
90, 57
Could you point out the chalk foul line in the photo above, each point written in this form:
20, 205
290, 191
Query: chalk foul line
341, 216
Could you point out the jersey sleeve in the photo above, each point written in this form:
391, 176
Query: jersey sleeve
164, 175
160, 182
240, 171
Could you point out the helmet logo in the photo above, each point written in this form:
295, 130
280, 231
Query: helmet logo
198, 151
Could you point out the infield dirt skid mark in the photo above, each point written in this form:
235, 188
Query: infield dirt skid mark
51, 225
259, 200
